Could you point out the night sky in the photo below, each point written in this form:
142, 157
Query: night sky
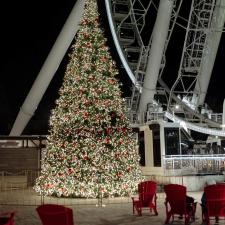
28, 31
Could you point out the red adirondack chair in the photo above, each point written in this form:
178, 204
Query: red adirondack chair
146, 197
51, 214
7, 218
215, 202
176, 203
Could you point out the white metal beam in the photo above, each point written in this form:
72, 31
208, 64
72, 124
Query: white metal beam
48, 69
117, 44
195, 127
160, 33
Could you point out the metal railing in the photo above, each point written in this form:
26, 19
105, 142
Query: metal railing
176, 165
17, 189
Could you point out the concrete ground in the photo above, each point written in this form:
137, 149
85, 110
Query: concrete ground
115, 212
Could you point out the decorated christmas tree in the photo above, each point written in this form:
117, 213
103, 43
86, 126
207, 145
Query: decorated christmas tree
90, 151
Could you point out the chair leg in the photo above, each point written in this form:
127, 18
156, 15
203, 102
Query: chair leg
139, 211
193, 211
155, 210
207, 220
168, 216
137, 208
217, 219
187, 219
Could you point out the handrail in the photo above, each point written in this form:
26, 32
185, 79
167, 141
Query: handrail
192, 126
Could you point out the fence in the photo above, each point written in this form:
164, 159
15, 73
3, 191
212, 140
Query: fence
17, 189
193, 164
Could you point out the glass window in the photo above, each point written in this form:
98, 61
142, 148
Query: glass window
172, 141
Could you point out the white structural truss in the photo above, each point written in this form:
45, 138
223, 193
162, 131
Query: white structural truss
212, 44
203, 33
127, 19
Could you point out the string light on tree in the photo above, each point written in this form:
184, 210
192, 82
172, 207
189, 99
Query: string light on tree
90, 149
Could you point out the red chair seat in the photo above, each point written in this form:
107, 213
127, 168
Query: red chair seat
7, 218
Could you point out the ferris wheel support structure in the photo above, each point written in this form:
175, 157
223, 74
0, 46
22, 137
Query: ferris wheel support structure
214, 36
159, 37
198, 56
48, 69
136, 115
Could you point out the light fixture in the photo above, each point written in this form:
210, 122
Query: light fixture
177, 107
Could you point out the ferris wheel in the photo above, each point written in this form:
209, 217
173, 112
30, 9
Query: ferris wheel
142, 31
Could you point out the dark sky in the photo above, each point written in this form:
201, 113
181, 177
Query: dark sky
28, 31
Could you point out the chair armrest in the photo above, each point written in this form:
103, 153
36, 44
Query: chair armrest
135, 199
7, 214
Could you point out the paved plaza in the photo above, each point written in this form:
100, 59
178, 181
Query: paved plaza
115, 212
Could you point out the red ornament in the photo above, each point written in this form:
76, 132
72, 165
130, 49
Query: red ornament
87, 103
107, 140
89, 44
49, 186
74, 158
81, 90
119, 174
108, 131
111, 81
70, 170
113, 115
104, 59
117, 155
86, 35
91, 77
86, 115
128, 169
68, 131
63, 145
84, 21
74, 144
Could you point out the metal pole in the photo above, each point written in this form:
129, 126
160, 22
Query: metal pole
160, 33
48, 69
223, 117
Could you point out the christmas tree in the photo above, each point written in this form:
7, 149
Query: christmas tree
90, 149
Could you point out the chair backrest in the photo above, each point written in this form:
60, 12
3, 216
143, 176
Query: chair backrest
176, 196
7, 218
215, 199
146, 191
51, 214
